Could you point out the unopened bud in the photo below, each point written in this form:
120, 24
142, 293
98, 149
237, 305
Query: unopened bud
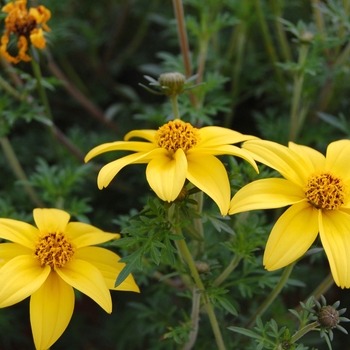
202, 267
328, 317
172, 84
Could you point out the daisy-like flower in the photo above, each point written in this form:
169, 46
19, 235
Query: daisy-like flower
25, 25
175, 152
317, 189
47, 262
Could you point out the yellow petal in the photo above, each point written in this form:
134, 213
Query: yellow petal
51, 220
312, 156
9, 251
225, 149
20, 278
83, 235
37, 39
208, 174
18, 232
135, 146
266, 194
51, 308
88, 279
167, 176
337, 159
148, 135
292, 235
108, 264
288, 163
211, 136
334, 233
109, 171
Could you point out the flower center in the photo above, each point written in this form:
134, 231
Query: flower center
325, 191
177, 134
54, 249
20, 22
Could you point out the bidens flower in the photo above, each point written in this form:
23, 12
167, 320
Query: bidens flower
24, 24
46, 262
175, 152
317, 189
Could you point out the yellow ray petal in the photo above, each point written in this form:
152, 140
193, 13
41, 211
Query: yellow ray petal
266, 194
135, 146
334, 233
143, 134
312, 156
50, 220
20, 277
88, 279
109, 171
337, 159
9, 251
83, 235
211, 136
167, 176
288, 163
18, 232
51, 308
208, 174
292, 235
108, 264
226, 149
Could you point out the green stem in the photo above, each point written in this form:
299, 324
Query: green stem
18, 170
303, 331
295, 117
196, 298
273, 295
186, 255
175, 106
269, 44
232, 265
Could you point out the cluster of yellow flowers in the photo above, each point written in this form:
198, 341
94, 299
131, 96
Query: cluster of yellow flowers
47, 261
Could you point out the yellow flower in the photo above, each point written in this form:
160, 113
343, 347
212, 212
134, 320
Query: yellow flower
317, 190
46, 262
24, 24
175, 152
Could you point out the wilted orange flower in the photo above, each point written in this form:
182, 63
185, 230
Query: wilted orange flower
24, 24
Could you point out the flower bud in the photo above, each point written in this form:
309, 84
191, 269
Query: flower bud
172, 84
202, 267
328, 317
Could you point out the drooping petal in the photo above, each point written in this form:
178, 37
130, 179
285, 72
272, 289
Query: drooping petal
292, 235
135, 146
21, 277
211, 136
335, 238
9, 251
83, 235
166, 175
208, 174
337, 159
37, 38
287, 162
109, 171
225, 149
143, 134
51, 308
312, 156
18, 232
108, 264
266, 194
51, 220
86, 278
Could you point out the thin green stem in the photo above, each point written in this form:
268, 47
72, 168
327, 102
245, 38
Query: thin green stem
232, 265
269, 44
300, 333
175, 106
295, 114
273, 295
18, 170
186, 255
